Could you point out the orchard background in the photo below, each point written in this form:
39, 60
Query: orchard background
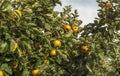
36, 40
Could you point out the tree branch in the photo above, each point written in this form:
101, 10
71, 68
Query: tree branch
1, 2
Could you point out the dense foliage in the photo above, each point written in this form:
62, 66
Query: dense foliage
36, 40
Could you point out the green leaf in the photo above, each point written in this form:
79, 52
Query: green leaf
31, 24
87, 66
48, 33
101, 55
49, 15
110, 31
69, 34
48, 42
47, 26
7, 6
6, 68
28, 46
3, 46
37, 30
25, 72
12, 45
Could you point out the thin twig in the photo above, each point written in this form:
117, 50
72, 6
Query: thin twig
1, 2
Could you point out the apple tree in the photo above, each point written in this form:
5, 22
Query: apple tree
103, 39
36, 40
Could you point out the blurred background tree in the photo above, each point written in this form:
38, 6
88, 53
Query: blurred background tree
103, 37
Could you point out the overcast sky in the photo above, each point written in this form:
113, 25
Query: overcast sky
87, 9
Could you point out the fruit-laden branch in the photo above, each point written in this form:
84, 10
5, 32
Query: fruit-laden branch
1, 2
